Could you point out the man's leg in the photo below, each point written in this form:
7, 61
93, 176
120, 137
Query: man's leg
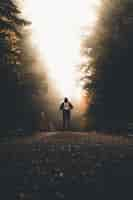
68, 120
63, 120
68, 123
63, 124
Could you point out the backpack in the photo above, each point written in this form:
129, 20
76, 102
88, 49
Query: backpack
66, 106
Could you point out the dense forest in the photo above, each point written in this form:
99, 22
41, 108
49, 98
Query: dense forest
110, 84
112, 60
18, 82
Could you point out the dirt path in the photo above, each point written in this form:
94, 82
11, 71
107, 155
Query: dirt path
69, 137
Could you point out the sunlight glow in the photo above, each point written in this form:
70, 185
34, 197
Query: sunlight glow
57, 28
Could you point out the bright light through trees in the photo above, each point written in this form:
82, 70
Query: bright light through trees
57, 27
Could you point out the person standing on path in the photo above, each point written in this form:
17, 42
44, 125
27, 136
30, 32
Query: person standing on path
66, 108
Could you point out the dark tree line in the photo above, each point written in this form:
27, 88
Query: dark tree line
112, 60
18, 82
10, 60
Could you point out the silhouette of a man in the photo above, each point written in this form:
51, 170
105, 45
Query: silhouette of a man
66, 108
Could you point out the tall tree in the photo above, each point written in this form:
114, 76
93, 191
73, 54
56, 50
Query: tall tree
20, 86
112, 47
10, 60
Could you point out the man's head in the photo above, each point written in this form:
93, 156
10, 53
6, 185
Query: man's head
65, 99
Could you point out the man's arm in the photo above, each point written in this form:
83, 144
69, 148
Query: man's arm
71, 106
61, 107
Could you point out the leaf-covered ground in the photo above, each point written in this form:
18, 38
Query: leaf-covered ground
64, 171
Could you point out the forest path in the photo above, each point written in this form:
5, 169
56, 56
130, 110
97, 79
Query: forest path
70, 137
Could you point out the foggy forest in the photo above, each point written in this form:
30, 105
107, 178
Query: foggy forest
26, 91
